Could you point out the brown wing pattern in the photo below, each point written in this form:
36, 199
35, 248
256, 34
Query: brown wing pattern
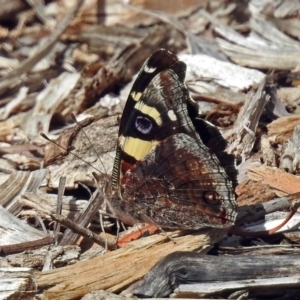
179, 185
168, 176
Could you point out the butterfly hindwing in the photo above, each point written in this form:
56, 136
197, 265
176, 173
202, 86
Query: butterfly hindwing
175, 189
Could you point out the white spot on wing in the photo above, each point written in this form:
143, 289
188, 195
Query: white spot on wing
172, 115
122, 141
147, 69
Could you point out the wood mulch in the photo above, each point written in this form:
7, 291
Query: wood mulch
60, 59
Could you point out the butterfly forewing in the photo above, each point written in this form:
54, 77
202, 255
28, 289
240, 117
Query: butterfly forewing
159, 61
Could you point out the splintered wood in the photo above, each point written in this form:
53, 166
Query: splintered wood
135, 260
283, 183
282, 129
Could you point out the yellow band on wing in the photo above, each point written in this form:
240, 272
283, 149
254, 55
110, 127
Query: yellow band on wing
135, 147
150, 111
136, 96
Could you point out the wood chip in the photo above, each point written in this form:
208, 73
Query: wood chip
282, 182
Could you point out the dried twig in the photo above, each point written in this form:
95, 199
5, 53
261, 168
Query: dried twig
83, 231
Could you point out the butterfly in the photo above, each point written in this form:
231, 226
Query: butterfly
170, 167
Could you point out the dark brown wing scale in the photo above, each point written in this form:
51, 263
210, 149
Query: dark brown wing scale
170, 168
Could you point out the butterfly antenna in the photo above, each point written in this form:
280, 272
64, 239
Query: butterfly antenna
77, 123
75, 155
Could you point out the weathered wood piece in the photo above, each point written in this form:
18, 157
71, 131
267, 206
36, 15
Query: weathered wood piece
39, 201
17, 283
17, 236
48, 100
287, 286
272, 221
59, 256
186, 267
224, 74
282, 129
259, 51
226, 86
290, 159
260, 250
275, 107
252, 213
242, 136
134, 260
102, 132
143, 13
16, 185
281, 182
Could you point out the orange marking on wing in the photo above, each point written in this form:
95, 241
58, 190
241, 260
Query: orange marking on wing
150, 229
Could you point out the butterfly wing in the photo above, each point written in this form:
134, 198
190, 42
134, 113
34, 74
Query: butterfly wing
179, 185
164, 173
132, 144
